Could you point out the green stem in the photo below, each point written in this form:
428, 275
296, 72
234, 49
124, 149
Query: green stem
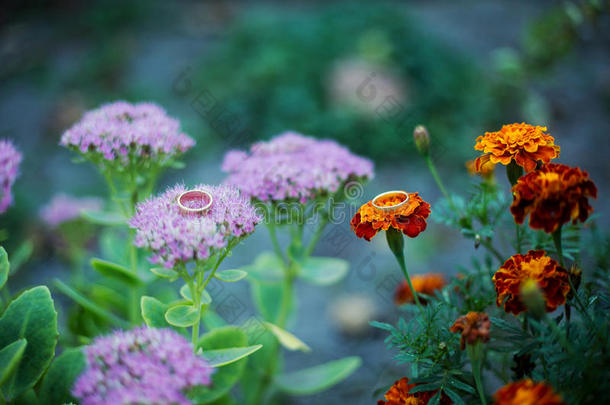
558, 245
194, 289
316, 236
274, 240
440, 184
562, 339
487, 244
518, 237
475, 353
396, 244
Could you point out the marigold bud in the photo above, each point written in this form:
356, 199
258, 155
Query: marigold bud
422, 139
575, 275
533, 298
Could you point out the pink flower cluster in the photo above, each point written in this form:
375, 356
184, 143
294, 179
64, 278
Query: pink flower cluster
10, 158
293, 166
64, 208
142, 366
174, 236
122, 132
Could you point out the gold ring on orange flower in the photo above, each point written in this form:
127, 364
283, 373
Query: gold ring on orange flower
380, 202
195, 201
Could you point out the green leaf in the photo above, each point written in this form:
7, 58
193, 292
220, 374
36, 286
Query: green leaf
162, 272
90, 305
31, 316
116, 272
20, 256
461, 385
182, 315
287, 339
185, 292
318, 378
225, 377
230, 276
266, 268
266, 297
153, 312
212, 320
61, 376
457, 400
114, 245
104, 218
222, 357
10, 356
4, 267
323, 270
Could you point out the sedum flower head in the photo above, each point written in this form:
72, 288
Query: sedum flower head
474, 326
64, 208
553, 195
174, 236
10, 159
423, 284
399, 394
524, 144
120, 133
551, 278
142, 366
409, 218
527, 392
294, 167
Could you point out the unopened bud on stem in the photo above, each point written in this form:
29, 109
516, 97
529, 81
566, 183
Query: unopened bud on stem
422, 139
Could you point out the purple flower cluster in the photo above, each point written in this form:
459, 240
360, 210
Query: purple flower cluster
142, 366
10, 158
175, 236
64, 208
293, 166
120, 132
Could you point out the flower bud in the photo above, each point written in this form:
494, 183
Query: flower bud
575, 275
422, 139
533, 299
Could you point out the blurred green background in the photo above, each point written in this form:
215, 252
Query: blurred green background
363, 73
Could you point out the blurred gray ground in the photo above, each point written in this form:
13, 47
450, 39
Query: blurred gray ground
477, 28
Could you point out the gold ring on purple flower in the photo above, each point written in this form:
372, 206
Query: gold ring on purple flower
400, 198
195, 201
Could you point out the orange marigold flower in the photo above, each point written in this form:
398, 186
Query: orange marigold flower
551, 278
486, 170
424, 284
408, 217
527, 392
552, 196
398, 394
525, 144
474, 326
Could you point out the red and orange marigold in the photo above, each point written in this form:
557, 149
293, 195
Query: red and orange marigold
550, 277
552, 196
527, 392
398, 394
424, 284
474, 326
409, 218
523, 143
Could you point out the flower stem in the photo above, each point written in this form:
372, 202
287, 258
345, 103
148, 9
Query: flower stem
396, 244
316, 236
439, 183
492, 249
274, 241
558, 245
475, 353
